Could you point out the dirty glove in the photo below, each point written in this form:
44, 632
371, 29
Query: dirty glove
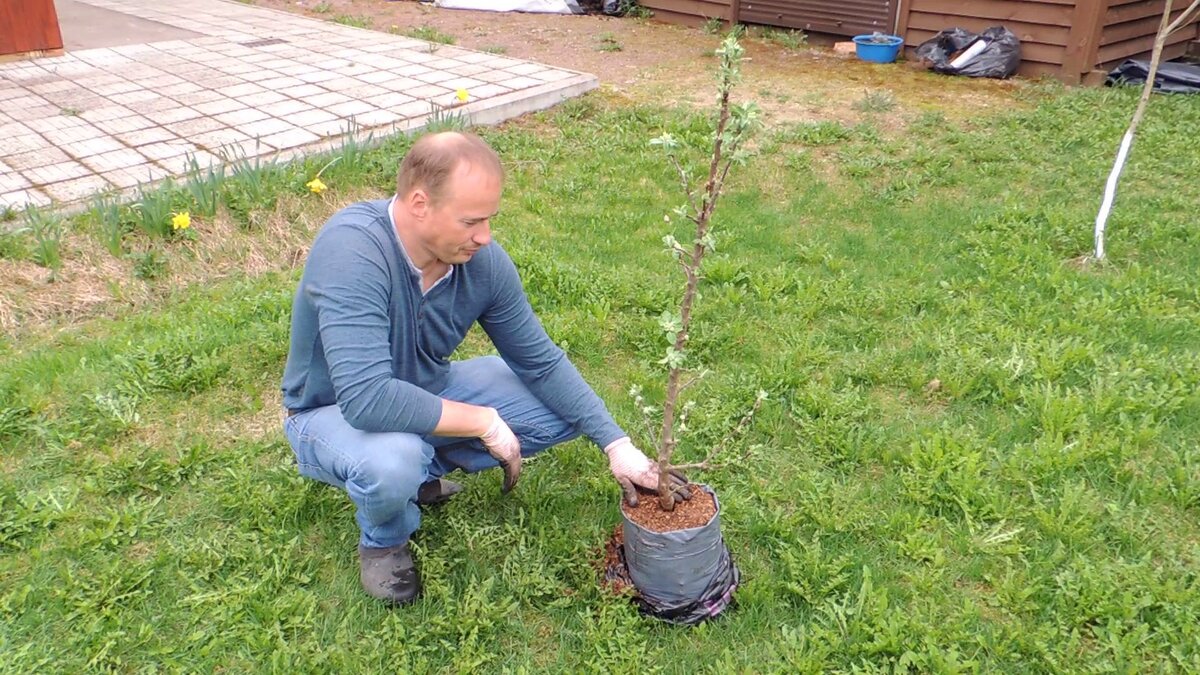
502, 444
633, 469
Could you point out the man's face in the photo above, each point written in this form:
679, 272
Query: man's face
459, 224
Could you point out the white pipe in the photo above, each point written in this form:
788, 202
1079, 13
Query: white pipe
969, 55
1110, 192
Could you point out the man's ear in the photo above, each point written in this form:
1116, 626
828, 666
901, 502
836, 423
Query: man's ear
417, 203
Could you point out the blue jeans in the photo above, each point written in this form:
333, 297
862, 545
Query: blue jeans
383, 471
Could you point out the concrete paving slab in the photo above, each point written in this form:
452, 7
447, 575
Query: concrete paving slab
216, 79
86, 26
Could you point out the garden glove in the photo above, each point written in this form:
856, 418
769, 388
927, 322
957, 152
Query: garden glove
633, 469
502, 444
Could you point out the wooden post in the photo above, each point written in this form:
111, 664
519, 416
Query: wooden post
28, 26
735, 12
902, 19
1083, 43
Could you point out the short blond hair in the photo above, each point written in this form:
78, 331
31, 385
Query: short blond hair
434, 157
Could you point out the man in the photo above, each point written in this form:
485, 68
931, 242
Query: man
375, 406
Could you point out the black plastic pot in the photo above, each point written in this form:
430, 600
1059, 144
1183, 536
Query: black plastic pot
683, 576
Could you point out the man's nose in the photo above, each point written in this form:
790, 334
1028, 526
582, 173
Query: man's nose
484, 236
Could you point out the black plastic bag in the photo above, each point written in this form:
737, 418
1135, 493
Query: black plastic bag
999, 59
1171, 78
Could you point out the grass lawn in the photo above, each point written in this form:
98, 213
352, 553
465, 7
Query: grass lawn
978, 454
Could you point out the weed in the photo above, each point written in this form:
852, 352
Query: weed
876, 101
353, 153
8, 213
149, 265
322, 8
106, 209
825, 132
47, 230
788, 39
428, 34
14, 243
353, 21
204, 186
495, 49
713, 25
633, 10
252, 185
153, 209
175, 367
443, 118
607, 42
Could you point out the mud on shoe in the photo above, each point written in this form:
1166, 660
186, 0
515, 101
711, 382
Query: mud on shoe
389, 574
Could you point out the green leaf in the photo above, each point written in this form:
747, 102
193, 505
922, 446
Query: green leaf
673, 359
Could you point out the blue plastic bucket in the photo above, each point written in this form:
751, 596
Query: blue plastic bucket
867, 49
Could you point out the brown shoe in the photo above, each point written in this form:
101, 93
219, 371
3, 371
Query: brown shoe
389, 574
437, 491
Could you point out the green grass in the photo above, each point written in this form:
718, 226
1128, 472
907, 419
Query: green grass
352, 20
788, 39
428, 34
978, 455
607, 42
876, 101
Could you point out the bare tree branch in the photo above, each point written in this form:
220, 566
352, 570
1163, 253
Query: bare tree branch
1184, 19
688, 384
687, 187
706, 463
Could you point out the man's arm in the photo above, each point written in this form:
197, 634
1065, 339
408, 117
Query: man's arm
519, 337
346, 279
545, 369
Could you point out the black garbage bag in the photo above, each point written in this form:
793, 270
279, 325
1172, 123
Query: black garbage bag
999, 59
1171, 78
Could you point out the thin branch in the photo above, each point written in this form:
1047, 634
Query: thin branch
721, 183
1184, 19
683, 263
683, 180
650, 435
687, 385
706, 463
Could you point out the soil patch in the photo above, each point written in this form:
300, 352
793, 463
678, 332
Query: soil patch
647, 61
689, 513
613, 570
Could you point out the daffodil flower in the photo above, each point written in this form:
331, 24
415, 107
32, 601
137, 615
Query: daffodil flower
462, 95
181, 221
317, 186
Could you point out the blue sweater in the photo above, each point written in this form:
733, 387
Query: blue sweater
364, 337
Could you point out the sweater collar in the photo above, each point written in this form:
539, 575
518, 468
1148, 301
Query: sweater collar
404, 252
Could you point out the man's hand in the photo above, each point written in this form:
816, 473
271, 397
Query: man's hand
502, 444
633, 469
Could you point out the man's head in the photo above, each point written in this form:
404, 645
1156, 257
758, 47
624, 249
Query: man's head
448, 189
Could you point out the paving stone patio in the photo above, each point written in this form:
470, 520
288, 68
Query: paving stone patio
256, 82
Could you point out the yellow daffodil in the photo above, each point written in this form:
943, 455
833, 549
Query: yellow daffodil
462, 95
317, 186
181, 221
